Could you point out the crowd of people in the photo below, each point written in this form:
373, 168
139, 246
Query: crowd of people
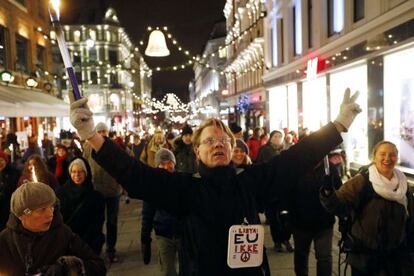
196, 184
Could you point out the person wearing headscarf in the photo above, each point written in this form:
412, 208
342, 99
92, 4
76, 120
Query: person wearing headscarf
82, 208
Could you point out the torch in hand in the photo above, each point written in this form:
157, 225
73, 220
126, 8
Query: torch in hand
55, 18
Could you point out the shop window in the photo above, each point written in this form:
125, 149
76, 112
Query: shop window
3, 47
113, 57
115, 103
22, 54
40, 57
359, 10
310, 26
335, 16
399, 105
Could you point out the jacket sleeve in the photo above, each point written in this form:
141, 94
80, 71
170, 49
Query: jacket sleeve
148, 213
93, 264
278, 175
172, 192
345, 199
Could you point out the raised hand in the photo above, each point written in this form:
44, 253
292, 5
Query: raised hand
349, 109
81, 117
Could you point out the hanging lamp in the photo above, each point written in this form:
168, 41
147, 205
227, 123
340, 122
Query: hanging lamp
157, 47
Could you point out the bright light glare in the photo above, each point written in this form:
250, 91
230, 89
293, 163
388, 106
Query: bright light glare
55, 4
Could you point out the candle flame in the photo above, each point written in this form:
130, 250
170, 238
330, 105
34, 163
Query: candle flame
34, 177
55, 5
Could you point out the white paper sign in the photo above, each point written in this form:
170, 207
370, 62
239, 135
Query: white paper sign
245, 246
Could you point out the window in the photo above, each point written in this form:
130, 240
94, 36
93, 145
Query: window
113, 57
280, 42
310, 18
41, 8
40, 57
359, 10
92, 54
335, 16
94, 77
21, 54
79, 77
76, 58
297, 27
3, 47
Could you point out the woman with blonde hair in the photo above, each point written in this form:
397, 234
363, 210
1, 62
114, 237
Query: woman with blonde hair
157, 142
381, 211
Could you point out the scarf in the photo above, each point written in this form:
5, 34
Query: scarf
59, 165
394, 189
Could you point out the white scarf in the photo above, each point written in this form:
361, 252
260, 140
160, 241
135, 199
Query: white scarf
394, 189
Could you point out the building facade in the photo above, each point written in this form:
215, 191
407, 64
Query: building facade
209, 77
245, 66
110, 70
28, 103
316, 49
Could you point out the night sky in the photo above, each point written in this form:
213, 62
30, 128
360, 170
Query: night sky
189, 21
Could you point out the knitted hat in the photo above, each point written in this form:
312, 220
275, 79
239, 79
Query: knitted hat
187, 130
235, 128
241, 144
80, 163
31, 196
101, 126
163, 155
4, 156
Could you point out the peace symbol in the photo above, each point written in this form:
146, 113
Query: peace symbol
245, 256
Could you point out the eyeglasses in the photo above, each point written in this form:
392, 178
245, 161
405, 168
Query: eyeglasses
212, 141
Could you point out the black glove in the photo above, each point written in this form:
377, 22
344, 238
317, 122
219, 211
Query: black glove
146, 252
53, 270
328, 185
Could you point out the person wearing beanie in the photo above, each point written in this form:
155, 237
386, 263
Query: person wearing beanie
83, 208
37, 242
9, 176
102, 129
184, 152
240, 154
165, 225
236, 130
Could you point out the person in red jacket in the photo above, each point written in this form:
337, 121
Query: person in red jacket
254, 143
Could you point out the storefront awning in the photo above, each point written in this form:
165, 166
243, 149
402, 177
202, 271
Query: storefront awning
20, 102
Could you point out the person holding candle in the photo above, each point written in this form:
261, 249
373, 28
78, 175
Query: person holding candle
35, 169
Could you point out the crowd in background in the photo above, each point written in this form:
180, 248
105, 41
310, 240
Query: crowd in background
89, 198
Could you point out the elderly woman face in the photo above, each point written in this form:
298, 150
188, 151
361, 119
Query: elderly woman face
238, 156
385, 159
77, 174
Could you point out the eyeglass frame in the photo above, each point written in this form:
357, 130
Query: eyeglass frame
211, 141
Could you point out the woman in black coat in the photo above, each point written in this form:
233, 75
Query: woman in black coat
81, 206
9, 177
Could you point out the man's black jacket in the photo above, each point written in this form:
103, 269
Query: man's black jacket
215, 199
